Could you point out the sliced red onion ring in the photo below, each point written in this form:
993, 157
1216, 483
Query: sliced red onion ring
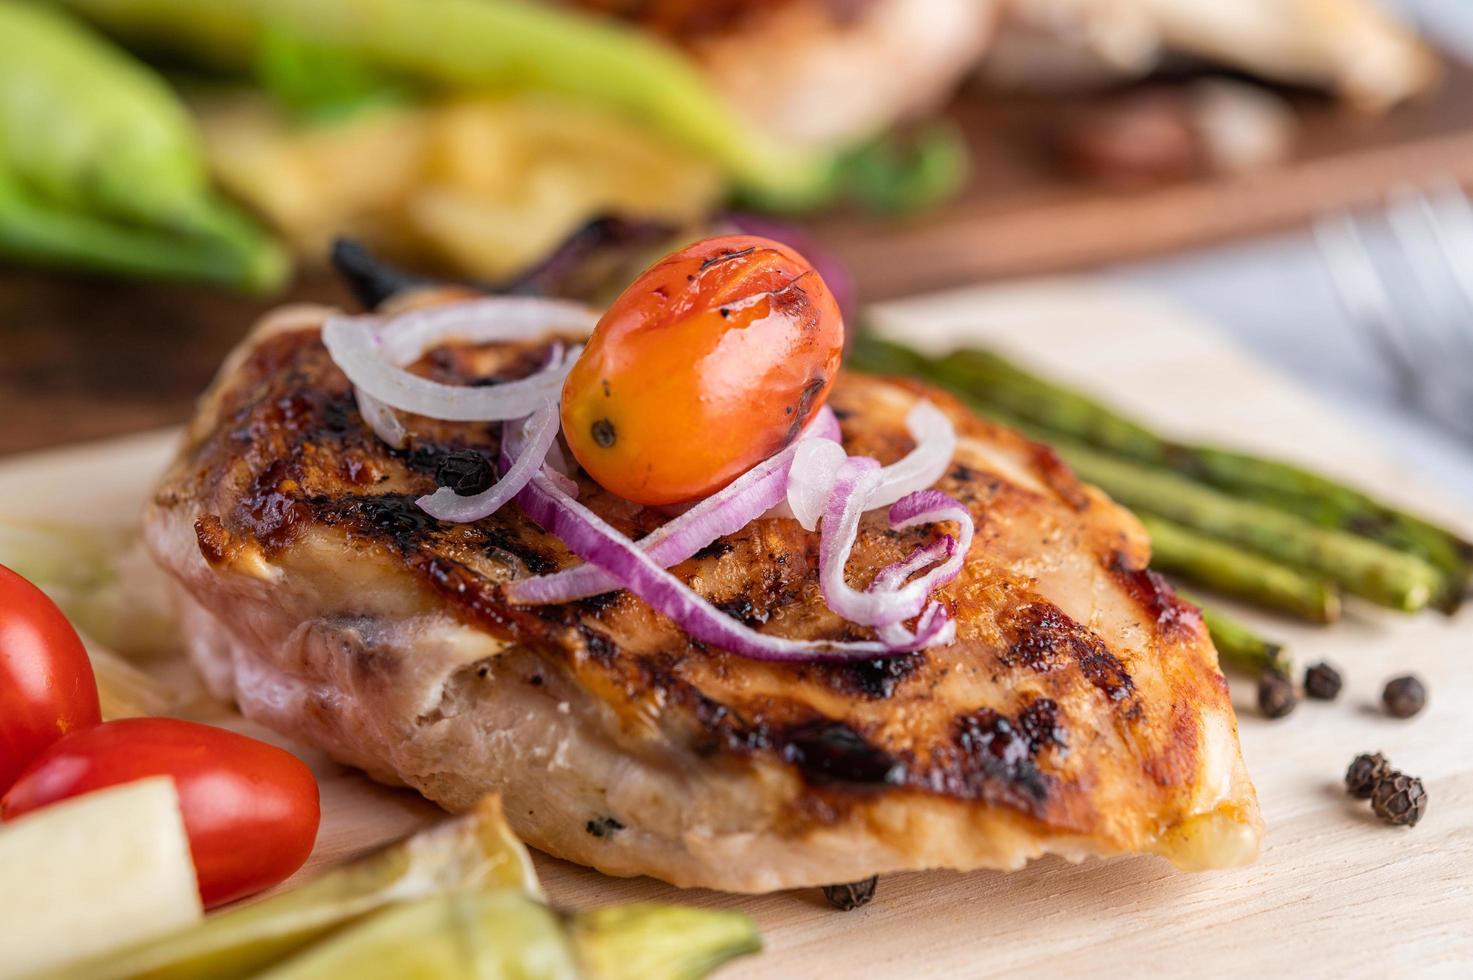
931, 507
935, 439
856, 480
596, 542
852, 492
935, 626
538, 434
373, 354
816, 465
722, 513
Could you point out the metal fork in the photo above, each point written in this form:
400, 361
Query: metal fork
1405, 276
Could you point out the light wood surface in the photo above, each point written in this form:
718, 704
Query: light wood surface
1335, 893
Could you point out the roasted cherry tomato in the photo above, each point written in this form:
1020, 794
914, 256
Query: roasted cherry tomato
710, 362
46, 683
250, 809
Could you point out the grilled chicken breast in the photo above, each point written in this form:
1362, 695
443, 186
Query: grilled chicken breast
820, 71
1079, 712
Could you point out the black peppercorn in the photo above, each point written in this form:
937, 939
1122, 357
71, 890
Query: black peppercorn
1399, 799
1364, 773
1404, 696
851, 896
1275, 694
465, 471
1322, 682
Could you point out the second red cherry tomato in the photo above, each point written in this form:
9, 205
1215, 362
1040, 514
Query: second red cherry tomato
710, 362
251, 810
46, 683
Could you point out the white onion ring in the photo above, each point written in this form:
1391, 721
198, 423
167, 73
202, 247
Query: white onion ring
856, 481
373, 353
816, 466
724, 512
935, 439
811, 480
381, 419
539, 431
934, 627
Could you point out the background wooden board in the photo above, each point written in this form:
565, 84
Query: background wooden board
1022, 214
1334, 894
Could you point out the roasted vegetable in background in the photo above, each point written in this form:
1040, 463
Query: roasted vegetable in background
484, 185
460, 45
46, 684
463, 888
102, 578
251, 809
474, 851
92, 874
496, 934
100, 167
724, 349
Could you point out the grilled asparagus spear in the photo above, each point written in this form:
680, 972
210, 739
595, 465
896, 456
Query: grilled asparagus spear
1359, 565
1286, 487
1238, 646
1245, 575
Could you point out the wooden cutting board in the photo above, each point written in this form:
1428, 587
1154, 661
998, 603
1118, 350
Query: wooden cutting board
1023, 213
1334, 894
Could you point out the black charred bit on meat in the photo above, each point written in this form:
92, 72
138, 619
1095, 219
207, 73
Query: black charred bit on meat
832, 752
395, 516
1045, 639
1000, 751
602, 827
876, 678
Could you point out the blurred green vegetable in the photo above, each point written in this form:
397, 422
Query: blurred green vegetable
459, 899
102, 578
475, 851
503, 934
899, 174
488, 44
100, 166
660, 942
1238, 647
500, 935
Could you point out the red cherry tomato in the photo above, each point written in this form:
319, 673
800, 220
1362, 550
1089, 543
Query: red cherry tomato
707, 364
250, 809
46, 683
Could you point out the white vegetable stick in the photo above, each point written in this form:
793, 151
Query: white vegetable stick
103, 871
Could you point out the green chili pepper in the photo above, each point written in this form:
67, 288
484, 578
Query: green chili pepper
490, 44
100, 166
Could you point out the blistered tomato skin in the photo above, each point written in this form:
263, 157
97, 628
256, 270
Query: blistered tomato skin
711, 361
